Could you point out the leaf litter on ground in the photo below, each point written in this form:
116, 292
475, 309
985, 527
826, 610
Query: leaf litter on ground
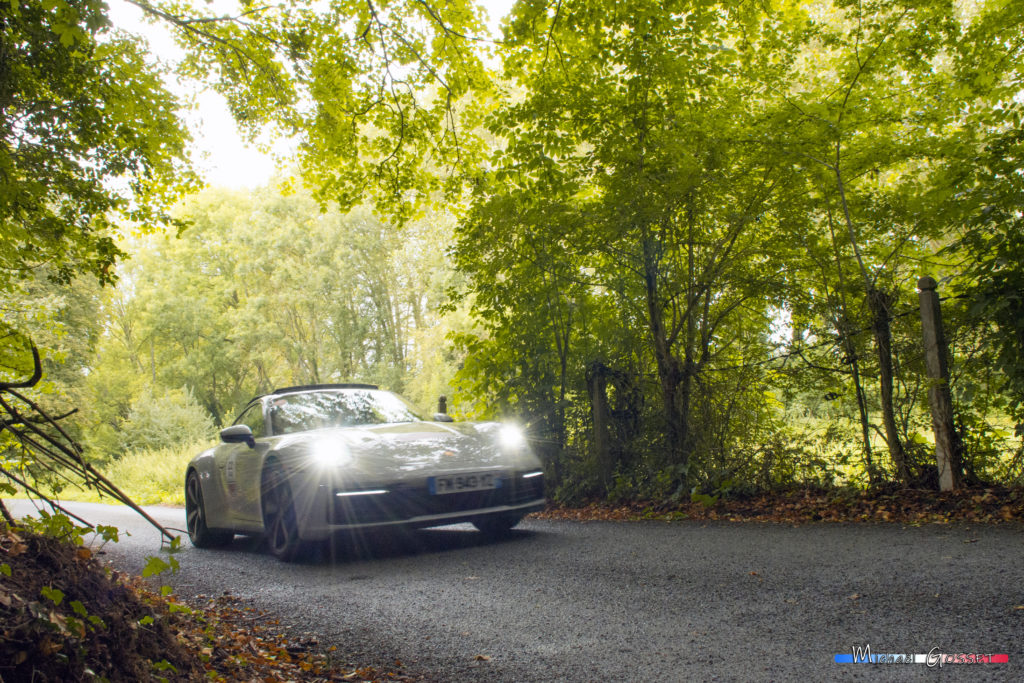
991, 505
64, 617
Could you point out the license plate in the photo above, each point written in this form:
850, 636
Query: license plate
457, 483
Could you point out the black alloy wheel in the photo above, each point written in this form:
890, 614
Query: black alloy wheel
199, 533
279, 523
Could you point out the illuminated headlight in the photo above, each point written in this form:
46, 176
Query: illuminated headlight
330, 453
512, 437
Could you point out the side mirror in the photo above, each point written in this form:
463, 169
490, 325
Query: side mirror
443, 417
238, 434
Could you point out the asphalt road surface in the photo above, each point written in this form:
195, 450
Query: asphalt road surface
645, 601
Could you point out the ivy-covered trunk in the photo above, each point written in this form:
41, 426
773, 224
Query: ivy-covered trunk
880, 303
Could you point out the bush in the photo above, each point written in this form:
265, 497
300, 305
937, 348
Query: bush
154, 476
167, 421
149, 477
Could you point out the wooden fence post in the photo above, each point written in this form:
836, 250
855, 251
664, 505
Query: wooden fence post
935, 354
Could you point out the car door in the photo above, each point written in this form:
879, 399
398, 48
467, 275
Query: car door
240, 468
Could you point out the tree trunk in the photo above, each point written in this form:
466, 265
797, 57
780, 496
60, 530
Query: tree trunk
865, 425
843, 328
880, 304
597, 383
675, 392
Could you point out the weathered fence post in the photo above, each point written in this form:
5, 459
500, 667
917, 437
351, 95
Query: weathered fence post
935, 353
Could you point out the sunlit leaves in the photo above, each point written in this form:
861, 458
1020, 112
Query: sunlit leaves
85, 120
376, 92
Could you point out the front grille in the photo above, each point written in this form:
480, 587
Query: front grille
406, 501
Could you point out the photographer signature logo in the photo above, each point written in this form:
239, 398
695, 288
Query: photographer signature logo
933, 659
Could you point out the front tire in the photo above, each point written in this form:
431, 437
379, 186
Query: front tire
279, 523
497, 526
199, 533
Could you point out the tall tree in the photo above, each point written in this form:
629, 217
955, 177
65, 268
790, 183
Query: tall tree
640, 119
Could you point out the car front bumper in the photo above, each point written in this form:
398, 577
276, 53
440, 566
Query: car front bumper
411, 505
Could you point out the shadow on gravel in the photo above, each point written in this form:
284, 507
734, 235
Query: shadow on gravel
408, 543
381, 545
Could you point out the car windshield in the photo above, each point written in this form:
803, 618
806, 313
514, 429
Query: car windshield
345, 408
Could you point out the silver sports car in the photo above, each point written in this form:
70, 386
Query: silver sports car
302, 463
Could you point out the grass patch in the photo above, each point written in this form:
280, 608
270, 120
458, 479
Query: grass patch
149, 477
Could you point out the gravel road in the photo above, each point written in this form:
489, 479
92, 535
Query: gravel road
644, 601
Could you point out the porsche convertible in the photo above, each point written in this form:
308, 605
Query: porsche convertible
303, 463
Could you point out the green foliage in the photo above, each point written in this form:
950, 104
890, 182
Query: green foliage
265, 291
379, 91
57, 525
91, 141
55, 595
993, 278
169, 421
696, 211
680, 193
149, 477
60, 526
164, 665
627, 218
703, 499
107, 532
156, 565
89, 132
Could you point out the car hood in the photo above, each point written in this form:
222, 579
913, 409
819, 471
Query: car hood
410, 449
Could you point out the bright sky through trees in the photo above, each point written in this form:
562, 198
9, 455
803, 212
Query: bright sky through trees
220, 154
